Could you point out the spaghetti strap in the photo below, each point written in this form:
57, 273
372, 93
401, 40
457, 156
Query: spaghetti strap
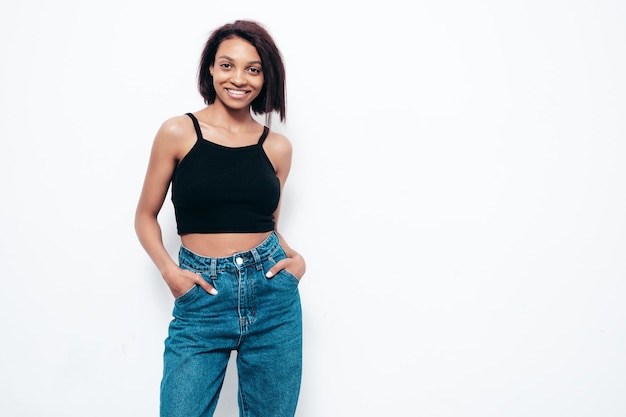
266, 130
196, 125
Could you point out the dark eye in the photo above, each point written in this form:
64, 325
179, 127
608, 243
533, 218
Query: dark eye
225, 65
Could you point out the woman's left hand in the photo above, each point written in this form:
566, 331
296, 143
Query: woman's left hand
295, 265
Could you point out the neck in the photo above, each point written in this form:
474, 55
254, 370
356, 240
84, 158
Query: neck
221, 115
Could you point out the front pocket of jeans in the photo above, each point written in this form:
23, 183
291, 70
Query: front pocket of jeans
278, 255
290, 276
283, 271
186, 295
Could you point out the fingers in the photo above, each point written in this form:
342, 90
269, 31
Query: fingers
205, 285
197, 279
275, 269
288, 263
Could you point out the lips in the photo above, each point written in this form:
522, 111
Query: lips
237, 93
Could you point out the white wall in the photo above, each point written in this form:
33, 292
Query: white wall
457, 189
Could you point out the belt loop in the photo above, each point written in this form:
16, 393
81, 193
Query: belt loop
213, 268
257, 259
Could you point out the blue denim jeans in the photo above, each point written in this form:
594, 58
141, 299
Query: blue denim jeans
258, 317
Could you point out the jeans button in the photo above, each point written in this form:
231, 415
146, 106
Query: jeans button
239, 261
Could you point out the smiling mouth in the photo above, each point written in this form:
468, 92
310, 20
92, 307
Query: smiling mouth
239, 93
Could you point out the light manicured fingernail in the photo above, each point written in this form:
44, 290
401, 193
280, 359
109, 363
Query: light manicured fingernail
213, 291
269, 274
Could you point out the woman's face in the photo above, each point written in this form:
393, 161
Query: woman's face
237, 73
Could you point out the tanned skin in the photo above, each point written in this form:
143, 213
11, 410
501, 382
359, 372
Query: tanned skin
238, 80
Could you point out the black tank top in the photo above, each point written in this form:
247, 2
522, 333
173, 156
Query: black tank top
218, 189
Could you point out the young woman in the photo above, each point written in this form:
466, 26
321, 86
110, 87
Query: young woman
236, 280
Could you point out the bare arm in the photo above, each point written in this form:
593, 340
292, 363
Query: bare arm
169, 145
280, 153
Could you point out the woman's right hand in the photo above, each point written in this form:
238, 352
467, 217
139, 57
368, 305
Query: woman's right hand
181, 280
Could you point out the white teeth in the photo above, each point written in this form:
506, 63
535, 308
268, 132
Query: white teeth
237, 92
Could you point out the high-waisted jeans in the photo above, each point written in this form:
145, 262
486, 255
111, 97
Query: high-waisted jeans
258, 317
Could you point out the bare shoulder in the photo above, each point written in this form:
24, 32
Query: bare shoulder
279, 150
176, 128
278, 144
176, 135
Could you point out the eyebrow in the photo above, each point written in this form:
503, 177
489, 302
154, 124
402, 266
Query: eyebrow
231, 59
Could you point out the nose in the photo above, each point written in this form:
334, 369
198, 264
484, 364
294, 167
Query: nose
238, 78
